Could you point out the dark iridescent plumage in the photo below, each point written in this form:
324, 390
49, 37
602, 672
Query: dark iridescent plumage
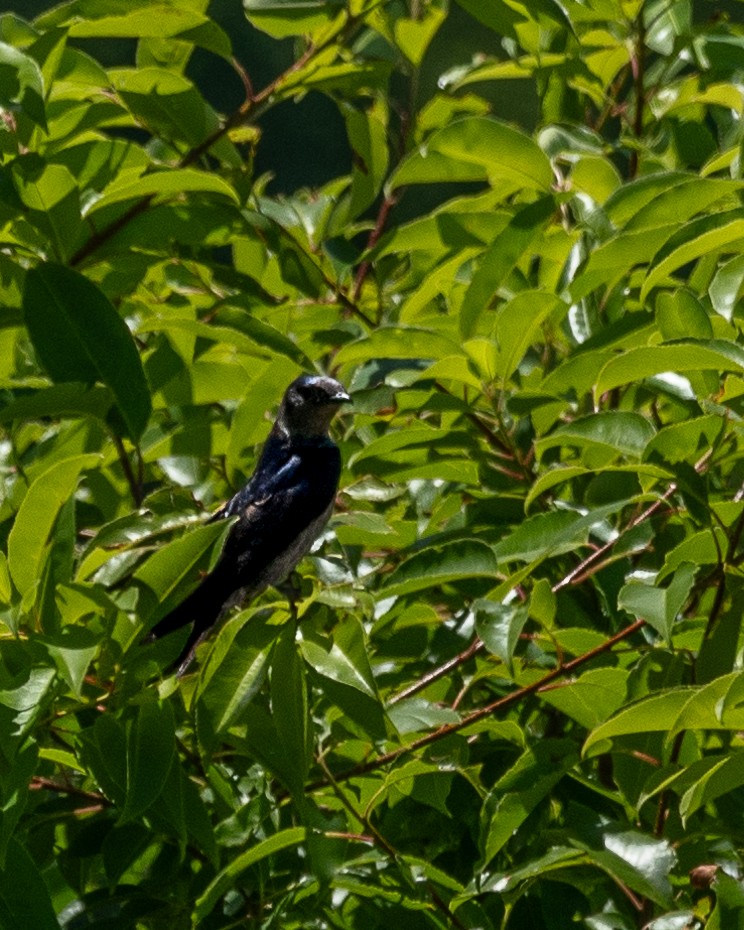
281, 510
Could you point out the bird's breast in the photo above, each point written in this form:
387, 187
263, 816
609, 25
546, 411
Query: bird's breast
282, 566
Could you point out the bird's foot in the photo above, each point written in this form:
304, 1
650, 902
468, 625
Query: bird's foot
291, 588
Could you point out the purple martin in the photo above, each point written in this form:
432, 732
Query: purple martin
280, 512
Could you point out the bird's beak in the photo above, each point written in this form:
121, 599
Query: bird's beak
341, 397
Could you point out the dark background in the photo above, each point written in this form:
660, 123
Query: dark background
304, 144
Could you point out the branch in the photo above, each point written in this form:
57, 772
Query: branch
385, 207
638, 64
102, 236
438, 673
39, 783
135, 484
497, 444
587, 566
251, 106
501, 703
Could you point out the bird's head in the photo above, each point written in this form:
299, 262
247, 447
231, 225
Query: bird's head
310, 403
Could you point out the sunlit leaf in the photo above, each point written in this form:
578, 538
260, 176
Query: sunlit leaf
37, 514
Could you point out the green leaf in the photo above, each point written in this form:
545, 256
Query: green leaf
342, 664
282, 18
343, 658
27, 702
680, 315
729, 907
159, 21
513, 336
66, 399
508, 248
673, 710
611, 260
24, 898
396, 342
647, 361
679, 442
542, 535
516, 794
290, 708
171, 107
162, 185
73, 651
52, 200
21, 84
591, 698
725, 236
500, 17
467, 558
234, 672
80, 337
561, 474
416, 715
225, 879
499, 626
411, 34
614, 432
172, 565
675, 198
477, 149
151, 748
367, 132
6, 586
727, 287
121, 847
261, 333
36, 517
419, 780
721, 776
411, 441
18, 766
557, 858
641, 862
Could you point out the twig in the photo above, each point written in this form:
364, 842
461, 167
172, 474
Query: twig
39, 783
587, 567
102, 236
496, 443
638, 65
379, 840
583, 568
135, 486
382, 214
437, 673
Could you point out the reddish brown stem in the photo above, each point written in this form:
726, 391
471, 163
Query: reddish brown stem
39, 783
385, 207
438, 673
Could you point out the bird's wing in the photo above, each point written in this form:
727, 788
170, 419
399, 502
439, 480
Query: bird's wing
276, 507
276, 472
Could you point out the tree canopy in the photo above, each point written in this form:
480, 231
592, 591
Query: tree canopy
509, 698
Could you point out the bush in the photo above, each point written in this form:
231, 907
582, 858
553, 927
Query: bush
512, 694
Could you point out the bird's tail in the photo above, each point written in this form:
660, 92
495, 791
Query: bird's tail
202, 608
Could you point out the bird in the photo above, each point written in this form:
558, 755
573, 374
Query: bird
280, 512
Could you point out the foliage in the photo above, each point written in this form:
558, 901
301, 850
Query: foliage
513, 697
